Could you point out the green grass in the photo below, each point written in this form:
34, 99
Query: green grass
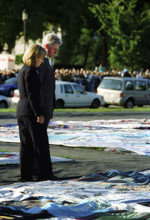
2, 110
101, 109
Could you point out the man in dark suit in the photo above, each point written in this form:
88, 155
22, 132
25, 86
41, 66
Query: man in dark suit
51, 43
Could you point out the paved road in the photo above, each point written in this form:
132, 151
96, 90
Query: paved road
6, 118
88, 116
10, 118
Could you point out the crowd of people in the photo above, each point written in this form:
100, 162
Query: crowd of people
4, 74
88, 79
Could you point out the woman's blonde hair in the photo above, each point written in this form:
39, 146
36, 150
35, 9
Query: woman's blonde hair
32, 54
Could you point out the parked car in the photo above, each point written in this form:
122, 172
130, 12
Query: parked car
71, 95
125, 91
4, 102
8, 86
15, 97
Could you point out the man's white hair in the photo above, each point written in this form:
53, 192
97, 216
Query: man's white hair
51, 39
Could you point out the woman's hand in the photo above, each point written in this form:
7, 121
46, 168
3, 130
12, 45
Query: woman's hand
40, 119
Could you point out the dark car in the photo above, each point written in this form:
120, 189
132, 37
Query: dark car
8, 86
4, 102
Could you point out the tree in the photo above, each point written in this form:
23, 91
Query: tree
77, 23
124, 24
10, 25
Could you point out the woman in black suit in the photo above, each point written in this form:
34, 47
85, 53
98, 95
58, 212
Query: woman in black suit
30, 116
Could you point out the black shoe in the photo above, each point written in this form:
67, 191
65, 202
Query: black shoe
55, 178
26, 180
52, 178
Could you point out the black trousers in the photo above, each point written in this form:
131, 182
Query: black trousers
34, 148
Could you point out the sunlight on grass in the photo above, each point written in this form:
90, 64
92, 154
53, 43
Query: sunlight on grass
101, 109
3, 110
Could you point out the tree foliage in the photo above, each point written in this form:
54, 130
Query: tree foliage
125, 25
10, 23
114, 33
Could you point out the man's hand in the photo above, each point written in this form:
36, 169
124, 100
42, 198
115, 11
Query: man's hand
40, 119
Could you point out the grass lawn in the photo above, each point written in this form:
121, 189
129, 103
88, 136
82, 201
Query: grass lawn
101, 109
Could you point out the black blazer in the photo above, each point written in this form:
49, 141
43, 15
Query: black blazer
47, 78
29, 88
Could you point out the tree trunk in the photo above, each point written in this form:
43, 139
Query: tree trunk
104, 39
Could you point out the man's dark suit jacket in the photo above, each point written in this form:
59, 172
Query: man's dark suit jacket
47, 78
29, 89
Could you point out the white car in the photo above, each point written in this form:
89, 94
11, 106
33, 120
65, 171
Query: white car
4, 102
15, 97
70, 94
73, 95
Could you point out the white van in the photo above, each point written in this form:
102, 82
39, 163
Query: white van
125, 91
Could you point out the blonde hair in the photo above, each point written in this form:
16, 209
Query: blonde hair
32, 54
